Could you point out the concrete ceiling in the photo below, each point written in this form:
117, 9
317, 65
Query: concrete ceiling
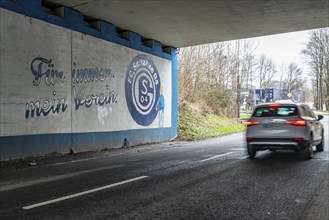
181, 23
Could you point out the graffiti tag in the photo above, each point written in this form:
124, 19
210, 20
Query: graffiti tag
90, 75
87, 100
42, 67
45, 107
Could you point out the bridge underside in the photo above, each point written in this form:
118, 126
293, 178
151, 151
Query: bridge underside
187, 23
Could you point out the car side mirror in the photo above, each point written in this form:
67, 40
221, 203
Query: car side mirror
320, 117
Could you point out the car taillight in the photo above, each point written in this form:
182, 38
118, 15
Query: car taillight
251, 123
297, 122
249, 139
298, 139
274, 105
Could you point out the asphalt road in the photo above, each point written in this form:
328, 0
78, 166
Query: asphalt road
212, 179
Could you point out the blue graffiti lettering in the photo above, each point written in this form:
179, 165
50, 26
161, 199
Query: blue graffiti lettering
90, 75
38, 108
81, 99
38, 66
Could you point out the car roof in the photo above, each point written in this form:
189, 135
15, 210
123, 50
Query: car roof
282, 104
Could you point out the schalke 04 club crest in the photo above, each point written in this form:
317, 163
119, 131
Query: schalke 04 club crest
142, 87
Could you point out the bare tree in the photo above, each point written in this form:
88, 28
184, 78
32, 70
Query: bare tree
207, 74
291, 77
317, 54
294, 78
266, 69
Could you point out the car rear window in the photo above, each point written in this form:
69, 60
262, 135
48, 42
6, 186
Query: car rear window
282, 111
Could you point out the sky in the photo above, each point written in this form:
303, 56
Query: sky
283, 47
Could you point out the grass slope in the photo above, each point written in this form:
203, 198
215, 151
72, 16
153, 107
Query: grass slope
196, 126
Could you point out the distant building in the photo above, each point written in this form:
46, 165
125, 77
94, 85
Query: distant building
273, 94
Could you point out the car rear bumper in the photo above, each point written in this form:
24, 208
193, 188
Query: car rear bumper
277, 144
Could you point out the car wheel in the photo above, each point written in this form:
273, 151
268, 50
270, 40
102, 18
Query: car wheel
308, 151
320, 146
251, 151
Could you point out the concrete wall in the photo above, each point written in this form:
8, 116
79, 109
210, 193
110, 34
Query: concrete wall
64, 85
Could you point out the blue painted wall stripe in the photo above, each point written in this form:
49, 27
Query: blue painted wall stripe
36, 145
174, 92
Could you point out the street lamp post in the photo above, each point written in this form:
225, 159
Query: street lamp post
238, 96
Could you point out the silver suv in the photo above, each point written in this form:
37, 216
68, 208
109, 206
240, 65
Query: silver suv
289, 126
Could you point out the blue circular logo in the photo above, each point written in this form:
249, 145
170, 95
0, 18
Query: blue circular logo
142, 86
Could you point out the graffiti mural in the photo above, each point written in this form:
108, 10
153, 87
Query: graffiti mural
44, 68
85, 94
143, 90
92, 75
70, 82
160, 107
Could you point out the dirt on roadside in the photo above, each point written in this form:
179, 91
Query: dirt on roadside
55, 157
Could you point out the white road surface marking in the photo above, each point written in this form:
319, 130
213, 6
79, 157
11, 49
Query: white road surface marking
217, 156
82, 193
238, 149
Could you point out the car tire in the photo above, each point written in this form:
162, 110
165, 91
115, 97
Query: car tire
308, 151
251, 151
320, 146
